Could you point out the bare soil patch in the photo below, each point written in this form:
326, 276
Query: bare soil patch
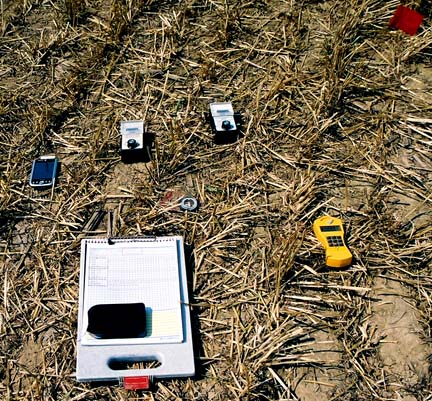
403, 351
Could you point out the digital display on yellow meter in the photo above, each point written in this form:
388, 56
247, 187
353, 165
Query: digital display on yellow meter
326, 229
329, 231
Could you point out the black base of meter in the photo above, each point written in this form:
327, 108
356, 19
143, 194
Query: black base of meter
142, 155
227, 137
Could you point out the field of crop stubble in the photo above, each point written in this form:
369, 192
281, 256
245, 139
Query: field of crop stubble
337, 119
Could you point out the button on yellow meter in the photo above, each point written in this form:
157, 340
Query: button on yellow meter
330, 233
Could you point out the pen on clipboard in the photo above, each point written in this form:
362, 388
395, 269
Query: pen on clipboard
110, 225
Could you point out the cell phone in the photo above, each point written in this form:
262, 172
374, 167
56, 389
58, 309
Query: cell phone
44, 172
117, 320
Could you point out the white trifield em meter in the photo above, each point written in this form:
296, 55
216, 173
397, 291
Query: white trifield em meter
134, 147
224, 122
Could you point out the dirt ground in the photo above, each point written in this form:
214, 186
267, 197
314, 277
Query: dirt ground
336, 111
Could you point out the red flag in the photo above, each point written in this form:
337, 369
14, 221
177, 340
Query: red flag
406, 20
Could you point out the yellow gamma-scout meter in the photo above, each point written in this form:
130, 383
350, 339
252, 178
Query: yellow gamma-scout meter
330, 233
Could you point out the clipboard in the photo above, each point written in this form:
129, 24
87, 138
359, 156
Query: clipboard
146, 273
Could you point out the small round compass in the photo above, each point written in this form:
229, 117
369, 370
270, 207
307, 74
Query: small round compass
189, 204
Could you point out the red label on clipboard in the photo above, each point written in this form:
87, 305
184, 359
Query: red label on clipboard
136, 382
